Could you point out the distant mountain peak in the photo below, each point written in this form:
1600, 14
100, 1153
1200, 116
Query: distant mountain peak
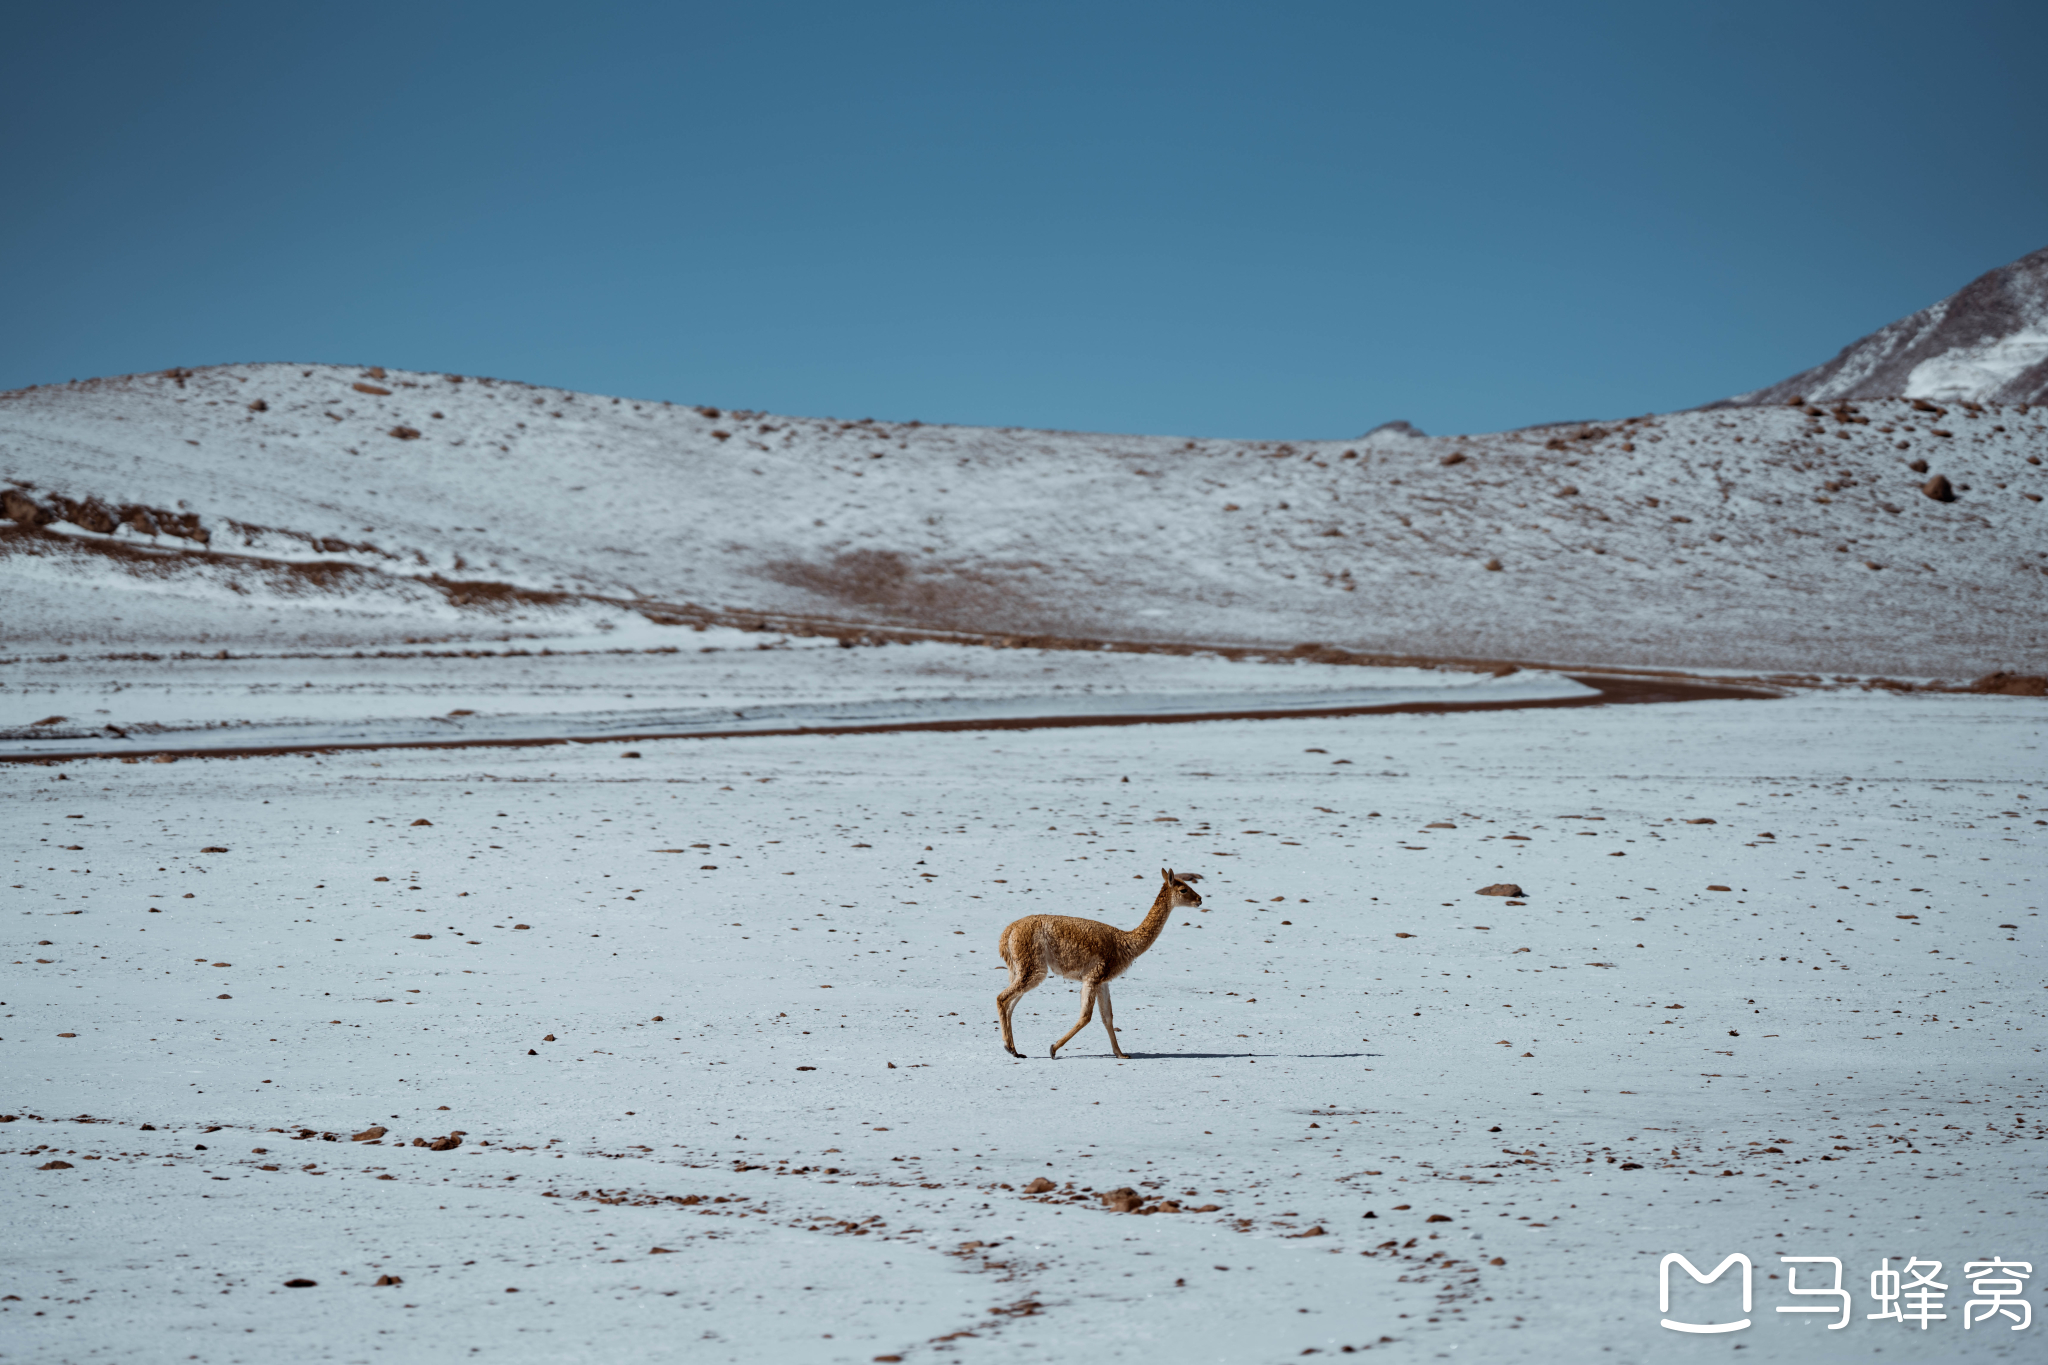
1985, 343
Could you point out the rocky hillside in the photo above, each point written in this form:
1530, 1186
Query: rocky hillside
321, 504
1985, 343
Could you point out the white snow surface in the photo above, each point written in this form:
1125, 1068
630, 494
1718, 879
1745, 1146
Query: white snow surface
1972, 371
209, 957
726, 680
175, 511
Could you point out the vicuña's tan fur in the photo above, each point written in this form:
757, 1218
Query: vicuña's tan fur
1083, 950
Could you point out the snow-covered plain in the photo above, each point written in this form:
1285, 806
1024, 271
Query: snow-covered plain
634, 681
211, 957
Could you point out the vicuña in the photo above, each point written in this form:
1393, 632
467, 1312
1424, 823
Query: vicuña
1083, 950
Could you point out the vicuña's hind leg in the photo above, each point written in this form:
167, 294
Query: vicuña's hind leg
1109, 1019
1024, 978
1088, 989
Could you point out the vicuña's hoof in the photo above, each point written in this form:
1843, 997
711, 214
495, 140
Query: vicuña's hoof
1012, 1051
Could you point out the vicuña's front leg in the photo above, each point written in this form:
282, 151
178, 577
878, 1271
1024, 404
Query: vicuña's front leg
1109, 1019
1088, 989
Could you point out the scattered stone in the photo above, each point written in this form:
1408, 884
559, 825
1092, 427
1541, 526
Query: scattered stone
1720, 888
405, 433
1493, 566
304, 1284
1502, 889
422, 935
445, 1144
1039, 1186
1939, 489
1498, 1260
54, 1166
1124, 1200
422, 822
371, 388
660, 1251
368, 1134
384, 1281
1703, 820
1438, 1218
1401, 935
1568, 491
213, 848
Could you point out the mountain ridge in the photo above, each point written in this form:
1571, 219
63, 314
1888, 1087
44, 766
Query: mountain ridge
1985, 343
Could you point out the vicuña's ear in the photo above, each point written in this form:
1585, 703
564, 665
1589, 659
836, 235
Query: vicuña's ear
1166, 872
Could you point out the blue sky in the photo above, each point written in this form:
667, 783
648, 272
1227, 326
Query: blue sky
1272, 219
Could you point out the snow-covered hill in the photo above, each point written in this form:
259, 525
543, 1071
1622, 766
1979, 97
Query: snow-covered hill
278, 504
1985, 343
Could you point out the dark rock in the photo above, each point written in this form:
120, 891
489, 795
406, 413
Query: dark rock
1939, 489
1502, 889
22, 509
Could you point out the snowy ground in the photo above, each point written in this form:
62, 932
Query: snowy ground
636, 680
850, 1209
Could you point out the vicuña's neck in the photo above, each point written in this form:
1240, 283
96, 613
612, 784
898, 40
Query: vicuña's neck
1154, 924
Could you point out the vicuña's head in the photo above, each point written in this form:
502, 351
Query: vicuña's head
1177, 886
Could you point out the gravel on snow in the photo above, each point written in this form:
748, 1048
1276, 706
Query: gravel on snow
719, 974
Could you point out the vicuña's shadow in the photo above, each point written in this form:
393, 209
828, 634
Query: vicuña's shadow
1213, 1056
